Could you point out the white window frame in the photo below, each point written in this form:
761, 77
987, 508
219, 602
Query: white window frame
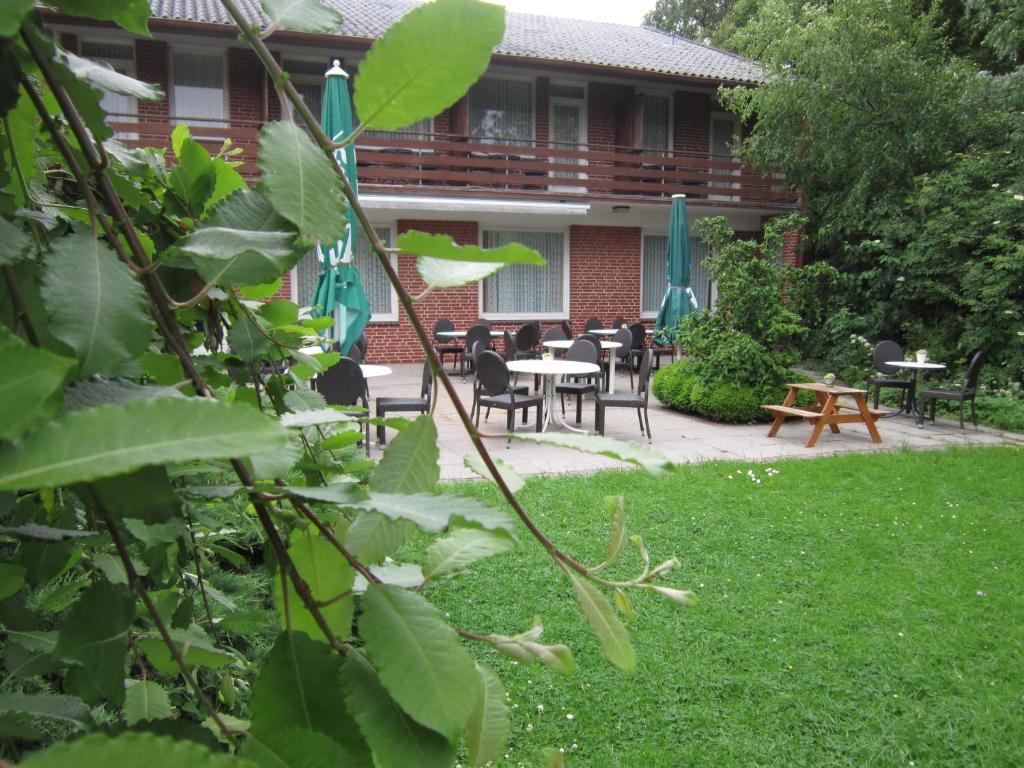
562, 314
172, 107
670, 97
647, 315
303, 77
533, 109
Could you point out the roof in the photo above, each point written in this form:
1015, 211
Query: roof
617, 46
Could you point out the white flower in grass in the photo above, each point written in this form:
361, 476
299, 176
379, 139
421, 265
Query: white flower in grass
570, 716
996, 185
540, 708
1018, 197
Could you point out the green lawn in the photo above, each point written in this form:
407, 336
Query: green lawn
855, 610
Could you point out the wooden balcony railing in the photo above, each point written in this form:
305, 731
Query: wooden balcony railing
464, 165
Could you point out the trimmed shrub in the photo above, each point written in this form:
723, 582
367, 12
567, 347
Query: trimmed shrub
673, 385
728, 403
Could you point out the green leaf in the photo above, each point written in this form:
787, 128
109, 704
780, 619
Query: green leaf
30, 382
327, 574
95, 635
146, 700
262, 291
616, 505
514, 482
371, 537
313, 418
131, 749
441, 273
104, 78
397, 740
302, 15
96, 305
611, 634
12, 578
246, 339
464, 546
525, 648
145, 495
302, 182
408, 575
15, 244
297, 748
553, 758
419, 658
444, 247
303, 399
409, 464
132, 15
193, 643
115, 439
227, 244
68, 709
194, 178
280, 312
634, 453
404, 78
11, 14
163, 369
247, 622
489, 726
435, 513
82, 395
298, 688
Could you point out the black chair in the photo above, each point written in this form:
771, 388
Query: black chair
495, 392
603, 400
567, 329
637, 344
509, 350
593, 324
476, 333
554, 333
599, 351
618, 322
625, 340
343, 384
527, 339
968, 392
509, 354
581, 351
356, 354
445, 345
888, 375
483, 321
421, 404
660, 350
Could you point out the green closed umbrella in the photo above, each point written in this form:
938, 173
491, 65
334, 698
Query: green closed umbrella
339, 291
679, 299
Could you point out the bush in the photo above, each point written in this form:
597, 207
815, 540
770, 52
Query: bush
673, 385
728, 403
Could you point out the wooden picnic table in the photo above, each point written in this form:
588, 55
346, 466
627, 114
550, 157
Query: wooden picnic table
827, 410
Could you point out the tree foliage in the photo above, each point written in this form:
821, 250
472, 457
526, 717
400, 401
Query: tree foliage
195, 553
692, 19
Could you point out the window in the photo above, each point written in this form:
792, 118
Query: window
308, 78
197, 88
501, 111
524, 290
657, 125
654, 274
121, 58
383, 301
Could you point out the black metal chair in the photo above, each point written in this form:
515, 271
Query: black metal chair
618, 322
445, 345
476, 333
603, 400
421, 404
483, 321
968, 392
637, 344
593, 324
509, 349
599, 351
567, 329
343, 384
581, 351
554, 333
527, 339
495, 392
356, 354
625, 339
509, 354
888, 375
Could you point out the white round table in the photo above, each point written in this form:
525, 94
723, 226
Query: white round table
916, 367
549, 369
462, 334
566, 343
604, 331
373, 371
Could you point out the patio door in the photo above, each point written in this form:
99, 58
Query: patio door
568, 131
725, 131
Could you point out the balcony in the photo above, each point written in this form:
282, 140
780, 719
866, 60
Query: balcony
462, 165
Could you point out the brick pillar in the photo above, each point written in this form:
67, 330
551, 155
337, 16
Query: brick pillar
245, 86
692, 122
604, 273
152, 65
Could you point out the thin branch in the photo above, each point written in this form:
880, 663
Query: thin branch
20, 310
199, 576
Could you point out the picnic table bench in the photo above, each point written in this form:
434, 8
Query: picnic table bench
827, 410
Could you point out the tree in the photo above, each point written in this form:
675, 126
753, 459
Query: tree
692, 19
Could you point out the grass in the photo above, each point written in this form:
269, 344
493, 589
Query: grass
858, 610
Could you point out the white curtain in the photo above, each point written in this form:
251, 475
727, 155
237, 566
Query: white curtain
198, 88
655, 276
522, 288
656, 122
501, 111
375, 279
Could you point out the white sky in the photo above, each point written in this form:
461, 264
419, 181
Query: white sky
617, 11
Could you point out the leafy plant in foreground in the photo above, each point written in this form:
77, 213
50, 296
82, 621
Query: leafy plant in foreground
142, 485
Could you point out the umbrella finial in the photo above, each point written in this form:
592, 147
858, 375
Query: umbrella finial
680, 195
336, 70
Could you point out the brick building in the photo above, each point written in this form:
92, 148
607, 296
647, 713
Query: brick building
573, 143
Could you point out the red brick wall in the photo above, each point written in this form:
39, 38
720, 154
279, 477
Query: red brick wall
604, 273
792, 250
152, 65
692, 122
245, 85
603, 100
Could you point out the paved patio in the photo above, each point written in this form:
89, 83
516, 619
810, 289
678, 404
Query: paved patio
677, 436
